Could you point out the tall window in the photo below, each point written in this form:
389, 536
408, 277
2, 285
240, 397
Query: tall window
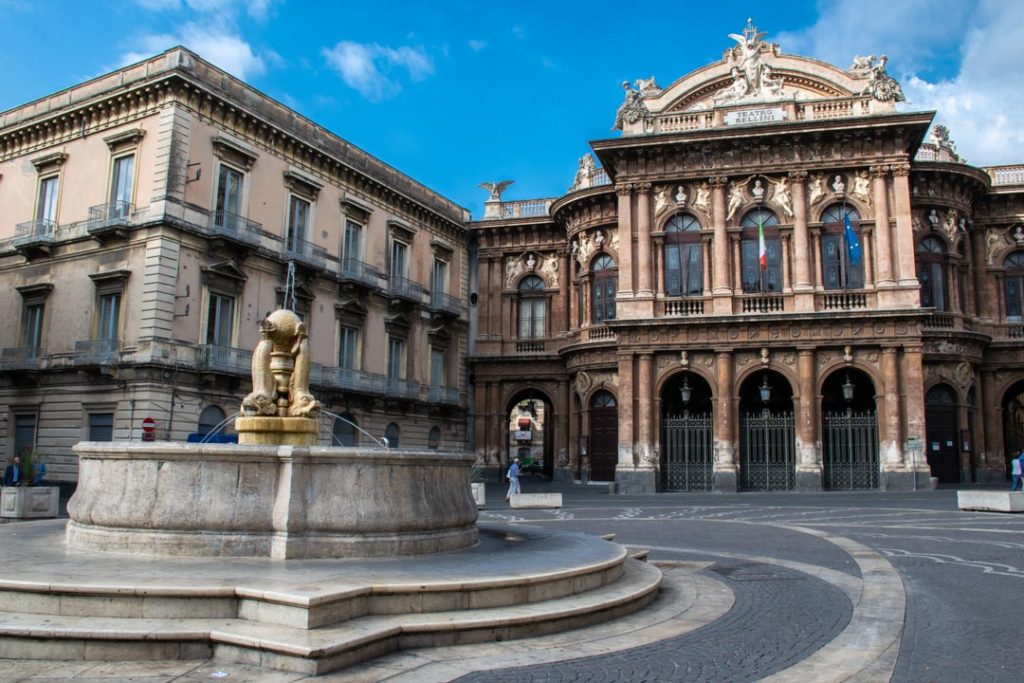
437, 368
229, 197
533, 321
399, 255
931, 266
440, 283
684, 264
1014, 286
396, 358
121, 181
434, 438
344, 431
761, 276
392, 434
24, 433
108, 322
220, 320
605, 282
348, 348
101, 426
209, 419
842, 264
32, 329
298, 219
353, 243
47, 207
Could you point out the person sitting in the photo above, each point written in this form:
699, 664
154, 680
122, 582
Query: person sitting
14, 475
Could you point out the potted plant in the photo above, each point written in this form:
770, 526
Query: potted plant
476, 484
28, 500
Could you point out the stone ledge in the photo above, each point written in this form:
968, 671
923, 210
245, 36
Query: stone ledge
523, 501
991, 501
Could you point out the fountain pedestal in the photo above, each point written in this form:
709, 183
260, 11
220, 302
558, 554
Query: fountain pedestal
276, 431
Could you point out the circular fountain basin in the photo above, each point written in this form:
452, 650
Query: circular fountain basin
175, 499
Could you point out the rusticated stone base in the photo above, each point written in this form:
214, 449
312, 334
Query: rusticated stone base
283, 502
635, 481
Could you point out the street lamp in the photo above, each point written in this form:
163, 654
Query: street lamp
848, 389
766, 390
685, 391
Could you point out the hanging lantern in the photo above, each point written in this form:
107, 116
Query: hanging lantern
766, 390
848, 389
685, 391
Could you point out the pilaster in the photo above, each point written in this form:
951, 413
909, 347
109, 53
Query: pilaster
904, 229
802, 287
720, 248
724, 437
643, 236
883, 232
808, 469
624, 192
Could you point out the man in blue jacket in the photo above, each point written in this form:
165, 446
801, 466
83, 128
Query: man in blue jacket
14, 475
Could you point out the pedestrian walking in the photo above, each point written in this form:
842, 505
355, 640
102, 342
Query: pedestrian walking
1016, 466
513, 479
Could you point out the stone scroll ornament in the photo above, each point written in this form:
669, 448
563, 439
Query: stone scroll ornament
280, 370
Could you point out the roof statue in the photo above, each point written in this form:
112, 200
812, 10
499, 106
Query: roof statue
585, 173
881, 85
495, 189
632, 108
647, 86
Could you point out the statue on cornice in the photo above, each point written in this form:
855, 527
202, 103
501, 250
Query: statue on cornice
750, 54
495, 189
752, 79
647, 86
632, 108
881, 85
584, 173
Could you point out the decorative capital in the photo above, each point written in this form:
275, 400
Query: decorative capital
643, 188
718, 181
901, 169
624, 189
879, 171
797, 176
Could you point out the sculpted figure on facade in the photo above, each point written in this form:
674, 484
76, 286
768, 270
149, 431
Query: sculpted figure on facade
881, 85
613, 242
838, 186
584, 173
586, 248
815, 188
647, 86
750, 54
735, 199
513, 269
862, 64
681, 196
758, 190
632, 108
1018, 234
738, 89
661, 200
549, 269
950, 225
995, 240
933, 219
781, 196
703, 199
280, 370
862, 187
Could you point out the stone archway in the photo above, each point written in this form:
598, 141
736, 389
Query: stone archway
604, 436
849, 432
1013, 423
941, 433
687, 453
767, 433
531, 431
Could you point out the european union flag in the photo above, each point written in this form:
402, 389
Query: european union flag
852, 241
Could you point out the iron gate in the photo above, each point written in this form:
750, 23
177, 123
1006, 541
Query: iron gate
687, 462
767, 451
850, 443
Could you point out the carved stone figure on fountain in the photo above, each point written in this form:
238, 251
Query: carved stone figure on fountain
280, 370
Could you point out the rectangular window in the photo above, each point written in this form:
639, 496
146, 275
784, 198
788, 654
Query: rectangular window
440, 276
47, 208
437, 369
24, 433
101, 426
396, 358
220, 320
353, 248
298, 218
533, 322
121, 182
108, 323
229, 198
399, 250
33, 327
348, 348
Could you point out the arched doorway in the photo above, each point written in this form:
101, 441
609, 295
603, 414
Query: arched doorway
531, 432
1013, 423
849, 432
344, 431
767, 434
209, 419
687, 456
941, 450
604, 436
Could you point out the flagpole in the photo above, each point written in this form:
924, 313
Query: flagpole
842, 256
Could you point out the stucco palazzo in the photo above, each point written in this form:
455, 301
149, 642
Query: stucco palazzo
773, 278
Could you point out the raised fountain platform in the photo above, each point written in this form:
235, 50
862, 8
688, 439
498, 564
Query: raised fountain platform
283, 502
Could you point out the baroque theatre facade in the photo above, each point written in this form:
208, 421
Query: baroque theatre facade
772, 278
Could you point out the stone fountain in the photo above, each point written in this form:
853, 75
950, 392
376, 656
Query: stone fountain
288, 555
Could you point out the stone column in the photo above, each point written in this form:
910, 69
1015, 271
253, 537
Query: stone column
630, 477
724, 437
737, 272
891, 431
913, 417
808, 469
720, 247
801, 244
643, 236
705, 251
992, 448
644, 417
904, 229
563, 466
819, 283
869, 272
625, 215
575, 462
883, 232
787, 285
565, 283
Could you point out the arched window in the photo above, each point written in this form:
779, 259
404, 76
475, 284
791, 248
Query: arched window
533, 308
434, 438
602, 399
209, 419
762, 272
391, 433
684, 263
842, 263
1014, 286
605, 282
931, 272
344, 431
940, 395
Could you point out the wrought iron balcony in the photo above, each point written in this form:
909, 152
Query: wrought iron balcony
445, 303
34, 237
444, 395
97, 352
401, 388
111, 213
404, 288
19, 358
346, 379
224, 359
235, 227
354, 270
305, 252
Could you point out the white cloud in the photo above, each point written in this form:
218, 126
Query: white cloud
370, 68
257, 9
977, 98
477, 45
224, 49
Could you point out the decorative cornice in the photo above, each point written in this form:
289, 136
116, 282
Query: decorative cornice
234, 152
52, 160
300, 184
40, 290
125, 138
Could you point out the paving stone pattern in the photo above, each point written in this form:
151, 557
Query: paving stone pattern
779, 618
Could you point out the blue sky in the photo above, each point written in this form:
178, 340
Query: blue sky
457, 93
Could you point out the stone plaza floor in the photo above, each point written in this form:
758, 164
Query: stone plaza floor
859, 586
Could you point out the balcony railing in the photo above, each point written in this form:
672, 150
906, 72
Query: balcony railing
940, 321
97, 352
844, 301
19, 358
354, 270
347, 379
401, 388
531, 346
445, 303
762, 303
682, 308
306, 252
444, 395
1007, 175
236, 227
405, 288
226, 359
600, 333
39, 231
110, 214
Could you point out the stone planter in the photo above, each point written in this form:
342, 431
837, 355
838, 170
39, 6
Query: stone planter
29, 502
479, 494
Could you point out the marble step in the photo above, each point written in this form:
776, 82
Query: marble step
318, 650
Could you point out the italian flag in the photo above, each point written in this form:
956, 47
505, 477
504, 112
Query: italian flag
762, 251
